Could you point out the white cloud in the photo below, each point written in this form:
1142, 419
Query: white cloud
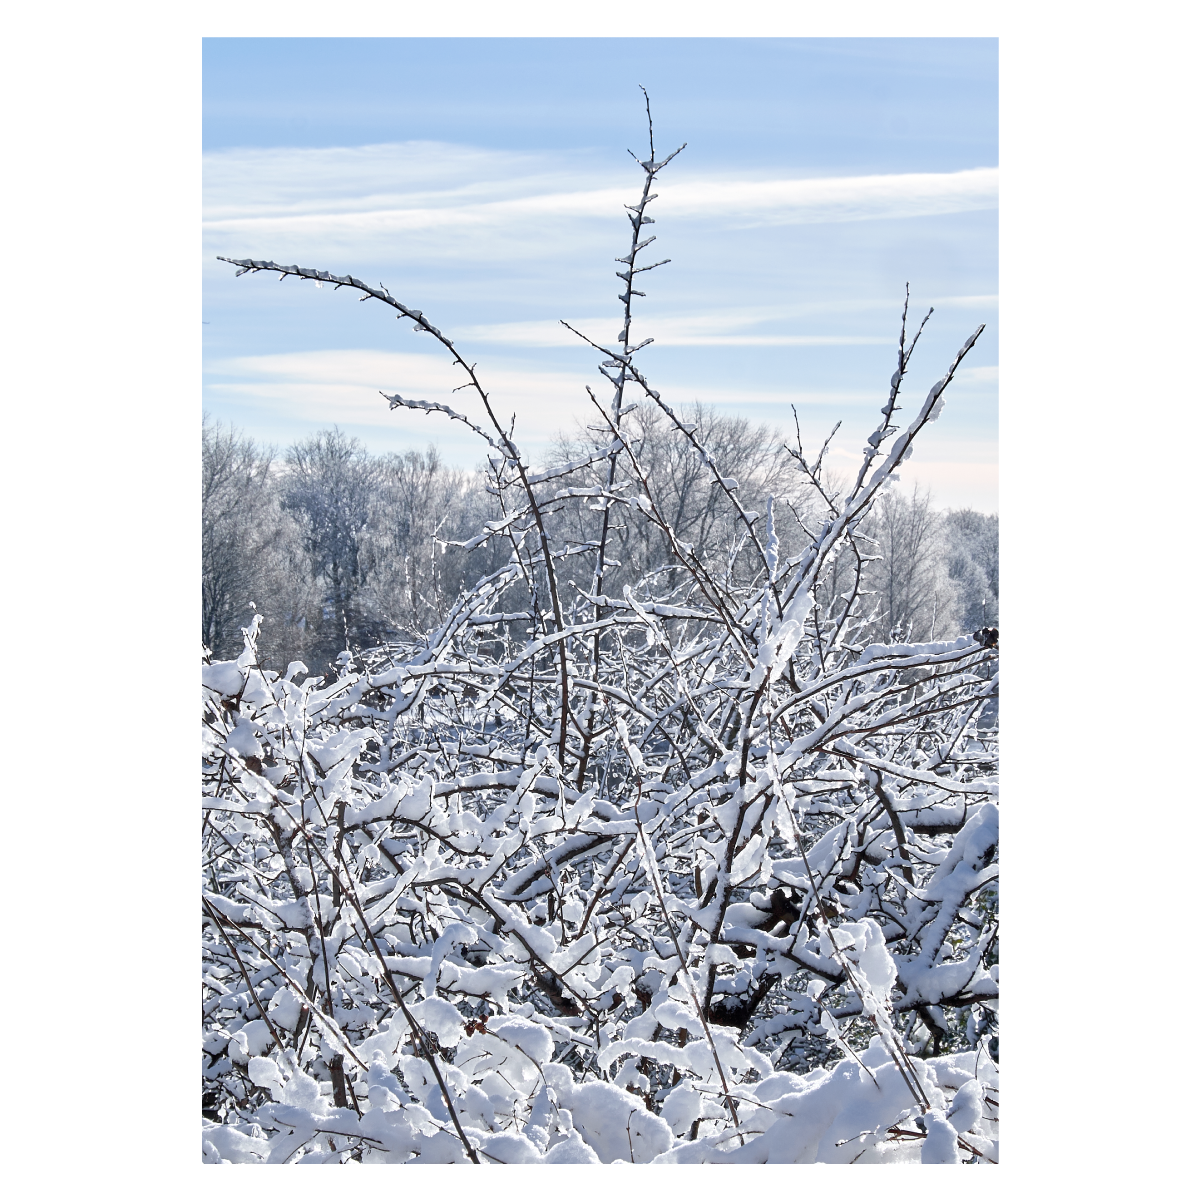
701, 329
427, 188
854, 198
966, 301
977, 375
343, 386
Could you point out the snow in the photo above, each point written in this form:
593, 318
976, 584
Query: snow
225, 678
243, 740
941, 1142
613, 1123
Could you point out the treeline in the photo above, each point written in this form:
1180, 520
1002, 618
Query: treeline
341, 549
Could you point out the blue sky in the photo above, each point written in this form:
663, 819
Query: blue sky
482, 181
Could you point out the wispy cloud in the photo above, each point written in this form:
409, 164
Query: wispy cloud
343, 386
978, 375
703, 329
966, 301
415, 188
853, 198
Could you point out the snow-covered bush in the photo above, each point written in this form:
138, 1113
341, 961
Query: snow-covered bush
690, 873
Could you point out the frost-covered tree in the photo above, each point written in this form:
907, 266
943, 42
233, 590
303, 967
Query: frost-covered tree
682, 488
330, 488
415, 571
907, 569
252, 551
973, 563
235, 497
597, 873
251, 556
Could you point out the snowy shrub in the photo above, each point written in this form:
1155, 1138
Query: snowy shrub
695, 872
